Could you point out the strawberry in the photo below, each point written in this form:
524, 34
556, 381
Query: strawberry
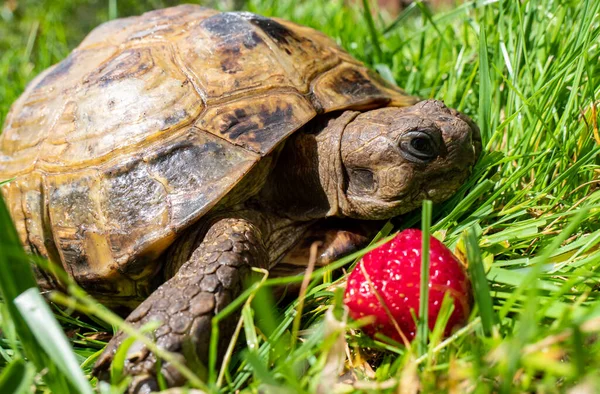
394, 272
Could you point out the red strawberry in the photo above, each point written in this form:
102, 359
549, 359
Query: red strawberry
394, 270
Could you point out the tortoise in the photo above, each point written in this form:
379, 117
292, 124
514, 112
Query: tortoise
170, 153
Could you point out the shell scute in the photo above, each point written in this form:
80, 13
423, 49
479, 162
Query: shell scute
35, 113
158, 25
137, 97
134, 199
194, 189
227, 57
79, 228
306, 54
351, 86
258, 123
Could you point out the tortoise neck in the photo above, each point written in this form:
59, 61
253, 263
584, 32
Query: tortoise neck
330, 166
308, 180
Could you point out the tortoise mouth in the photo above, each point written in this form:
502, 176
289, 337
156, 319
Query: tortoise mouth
444, 185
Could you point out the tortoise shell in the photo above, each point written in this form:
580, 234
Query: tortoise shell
152, 120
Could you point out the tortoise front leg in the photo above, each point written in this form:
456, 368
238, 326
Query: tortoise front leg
337, 239
211, 278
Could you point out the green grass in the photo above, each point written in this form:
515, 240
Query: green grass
529, 73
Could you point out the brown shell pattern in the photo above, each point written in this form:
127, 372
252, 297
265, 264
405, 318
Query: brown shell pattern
148, 123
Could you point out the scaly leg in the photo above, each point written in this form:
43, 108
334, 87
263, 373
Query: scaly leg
204, 285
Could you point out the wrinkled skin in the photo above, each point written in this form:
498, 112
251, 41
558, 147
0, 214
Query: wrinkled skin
371, 165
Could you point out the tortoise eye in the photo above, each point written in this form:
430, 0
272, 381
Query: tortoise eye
421, 146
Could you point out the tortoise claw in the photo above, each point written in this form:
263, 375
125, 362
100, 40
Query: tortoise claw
143, 384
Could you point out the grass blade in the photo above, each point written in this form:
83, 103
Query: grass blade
485, 87
372, 31
423, 327
16, 277
112, 9
481, 287
51, 338
249, 329
17, 377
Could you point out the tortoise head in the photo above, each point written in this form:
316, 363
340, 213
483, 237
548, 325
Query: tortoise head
394, 158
